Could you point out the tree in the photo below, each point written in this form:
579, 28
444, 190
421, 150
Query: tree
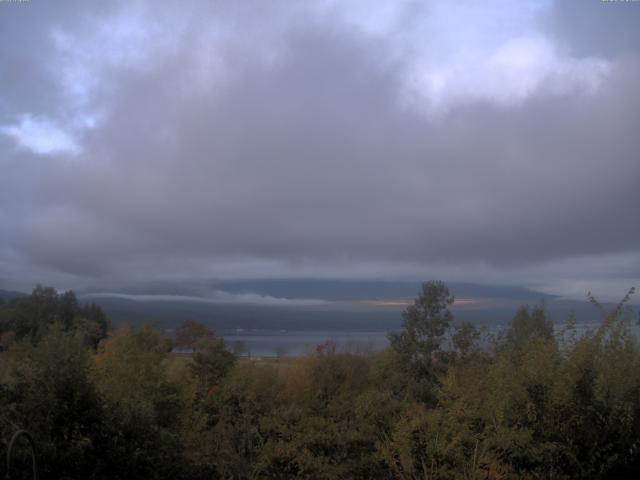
466, 341
46, 389
193, 335
418, 344
32, 316
92, 324
527, 325
142, 404
211, 363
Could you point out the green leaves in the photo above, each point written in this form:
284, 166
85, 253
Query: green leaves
441, 403
210, 365
32, 316
418, 344
47, 390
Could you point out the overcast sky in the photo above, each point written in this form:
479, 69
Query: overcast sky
493, 142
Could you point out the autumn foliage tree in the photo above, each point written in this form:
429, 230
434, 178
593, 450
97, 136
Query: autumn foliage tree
440, 403
193, 335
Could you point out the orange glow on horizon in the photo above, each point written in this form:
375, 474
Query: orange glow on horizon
404, 302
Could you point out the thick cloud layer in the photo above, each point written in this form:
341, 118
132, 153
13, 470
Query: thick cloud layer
239, 139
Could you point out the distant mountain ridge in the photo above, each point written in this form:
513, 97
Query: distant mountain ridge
324, 289
350, 305
11, 294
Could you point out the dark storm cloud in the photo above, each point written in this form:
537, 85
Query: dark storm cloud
227, 133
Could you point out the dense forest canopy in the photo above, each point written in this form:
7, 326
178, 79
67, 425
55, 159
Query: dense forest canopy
444, 401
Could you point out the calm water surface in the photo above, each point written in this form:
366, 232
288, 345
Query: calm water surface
298, 342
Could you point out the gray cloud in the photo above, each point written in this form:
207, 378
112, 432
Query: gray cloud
601, 28
217, 297
292, 140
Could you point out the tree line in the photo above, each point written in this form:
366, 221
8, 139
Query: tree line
444, 401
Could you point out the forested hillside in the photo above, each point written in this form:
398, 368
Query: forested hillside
444, 401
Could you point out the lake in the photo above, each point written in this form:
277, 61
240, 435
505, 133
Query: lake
298, 342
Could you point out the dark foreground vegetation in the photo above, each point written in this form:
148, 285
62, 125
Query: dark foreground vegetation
443, 402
